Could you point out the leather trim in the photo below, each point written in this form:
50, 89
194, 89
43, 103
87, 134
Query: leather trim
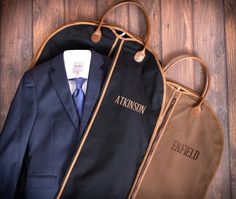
113, 46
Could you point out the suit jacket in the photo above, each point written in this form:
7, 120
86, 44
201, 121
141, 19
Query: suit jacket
42, 131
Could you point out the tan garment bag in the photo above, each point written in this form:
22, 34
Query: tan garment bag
188, 147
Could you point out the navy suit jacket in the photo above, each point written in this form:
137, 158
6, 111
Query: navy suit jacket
42, 131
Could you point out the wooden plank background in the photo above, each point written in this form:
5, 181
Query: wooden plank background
206, 28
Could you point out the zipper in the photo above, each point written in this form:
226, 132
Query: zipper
175, 96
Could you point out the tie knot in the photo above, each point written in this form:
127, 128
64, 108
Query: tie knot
79, 82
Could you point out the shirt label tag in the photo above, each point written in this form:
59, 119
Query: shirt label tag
77, 68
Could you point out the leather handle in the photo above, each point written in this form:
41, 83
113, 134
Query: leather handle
96, 37
166, 67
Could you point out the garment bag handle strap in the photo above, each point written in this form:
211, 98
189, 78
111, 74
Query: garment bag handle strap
140, 55
166, 67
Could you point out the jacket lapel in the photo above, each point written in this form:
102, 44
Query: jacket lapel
98, 69
60, 82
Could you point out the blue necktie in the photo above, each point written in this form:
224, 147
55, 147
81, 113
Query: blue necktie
78, 96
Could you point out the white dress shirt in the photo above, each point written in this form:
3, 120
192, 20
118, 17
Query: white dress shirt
77, 64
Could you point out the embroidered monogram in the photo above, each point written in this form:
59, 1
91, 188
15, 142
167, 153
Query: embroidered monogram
130, 104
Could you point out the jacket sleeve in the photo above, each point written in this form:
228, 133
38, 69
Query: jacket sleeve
15, 135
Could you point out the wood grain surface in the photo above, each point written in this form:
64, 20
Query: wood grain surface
206, 28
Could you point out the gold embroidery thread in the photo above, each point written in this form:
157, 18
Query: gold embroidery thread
130, 104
